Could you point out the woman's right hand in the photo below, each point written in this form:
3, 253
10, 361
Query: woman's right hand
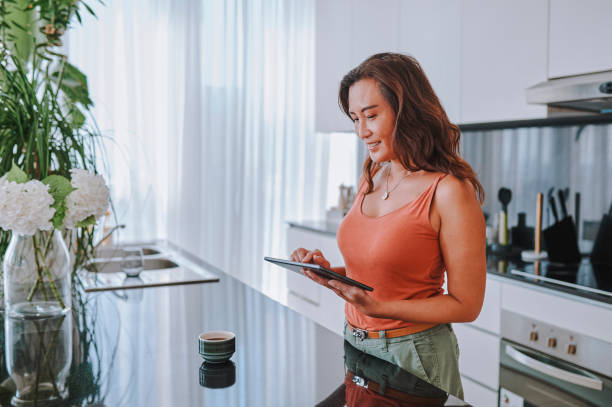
311, 256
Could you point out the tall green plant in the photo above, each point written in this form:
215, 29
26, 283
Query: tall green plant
44, 100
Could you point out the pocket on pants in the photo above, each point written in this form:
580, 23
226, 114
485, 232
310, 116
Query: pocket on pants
428, 355
408, 356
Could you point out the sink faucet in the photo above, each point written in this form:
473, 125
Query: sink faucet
110, 232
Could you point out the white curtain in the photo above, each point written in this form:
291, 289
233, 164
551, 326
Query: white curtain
210, 104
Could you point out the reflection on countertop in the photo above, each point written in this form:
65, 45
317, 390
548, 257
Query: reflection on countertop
585, 279
143, 351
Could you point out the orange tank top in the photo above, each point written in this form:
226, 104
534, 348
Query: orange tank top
397, 254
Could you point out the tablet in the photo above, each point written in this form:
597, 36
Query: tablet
320, 270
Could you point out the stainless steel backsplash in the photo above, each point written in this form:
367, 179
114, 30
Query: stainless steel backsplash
532, 160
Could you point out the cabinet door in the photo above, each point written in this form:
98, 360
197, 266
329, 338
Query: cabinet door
491, 308
580, 33
374, 28
332, 62
430, 32
347, 32
307, 297
478, 355
477, 394
504, 48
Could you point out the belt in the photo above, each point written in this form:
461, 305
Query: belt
390, 333
392, 393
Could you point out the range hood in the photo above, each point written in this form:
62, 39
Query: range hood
590, 93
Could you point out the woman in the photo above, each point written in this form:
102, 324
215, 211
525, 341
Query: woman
416, 215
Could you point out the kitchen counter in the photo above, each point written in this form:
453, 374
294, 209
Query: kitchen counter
139, 347
584, 281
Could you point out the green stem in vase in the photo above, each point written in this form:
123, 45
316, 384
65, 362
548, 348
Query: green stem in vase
40, 330
48, 273
46, 356
54, 288
42, 268
39, 280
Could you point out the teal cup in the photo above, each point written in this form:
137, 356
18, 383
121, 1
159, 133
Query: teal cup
217, 346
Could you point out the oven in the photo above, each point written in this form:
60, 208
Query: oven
543, 365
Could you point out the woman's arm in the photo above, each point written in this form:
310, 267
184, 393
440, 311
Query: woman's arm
462, 241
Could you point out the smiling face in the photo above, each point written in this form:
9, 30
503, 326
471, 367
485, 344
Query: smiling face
373, 117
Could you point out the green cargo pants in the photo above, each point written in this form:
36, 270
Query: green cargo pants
432, 355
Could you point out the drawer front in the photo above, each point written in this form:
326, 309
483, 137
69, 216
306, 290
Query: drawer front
556, 309
478, 355
477, 394
307, 297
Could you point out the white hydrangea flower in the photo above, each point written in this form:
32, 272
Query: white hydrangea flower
91, 197
25, 208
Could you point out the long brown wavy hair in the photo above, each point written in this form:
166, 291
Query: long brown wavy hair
423, 136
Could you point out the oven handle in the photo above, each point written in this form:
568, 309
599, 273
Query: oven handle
580, 380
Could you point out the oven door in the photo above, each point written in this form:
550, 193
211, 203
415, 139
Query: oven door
531, 378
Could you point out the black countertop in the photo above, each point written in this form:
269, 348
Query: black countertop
139, 348
584, 280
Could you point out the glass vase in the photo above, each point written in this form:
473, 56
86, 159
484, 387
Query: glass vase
37, 281
38, 358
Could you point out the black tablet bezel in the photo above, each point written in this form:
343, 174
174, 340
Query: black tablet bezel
322, 271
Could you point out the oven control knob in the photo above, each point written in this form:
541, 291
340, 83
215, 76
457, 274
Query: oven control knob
571, 349
552, 342
533, 336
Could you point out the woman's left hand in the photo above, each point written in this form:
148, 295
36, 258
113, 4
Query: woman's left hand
357, 297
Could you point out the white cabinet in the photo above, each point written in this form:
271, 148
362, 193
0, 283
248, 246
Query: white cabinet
580, 35
373, 28
478, 354
503, 51
477, 394
430, 32
479, 349
307, 297
479, 55
332, 62
491, 307
347, 32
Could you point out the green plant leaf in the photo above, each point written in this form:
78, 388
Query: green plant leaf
59, 215
17, 175
90, 220
73, 83
78, 119
59, 188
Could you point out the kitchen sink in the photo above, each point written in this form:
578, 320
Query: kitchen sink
114, 266
162, 267
117, 251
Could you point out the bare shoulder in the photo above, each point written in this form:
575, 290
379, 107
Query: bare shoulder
453, 193
459, 210
452, 188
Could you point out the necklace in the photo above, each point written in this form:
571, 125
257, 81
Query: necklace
387, 193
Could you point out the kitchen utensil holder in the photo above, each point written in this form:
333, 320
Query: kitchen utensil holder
602, 248
561, 242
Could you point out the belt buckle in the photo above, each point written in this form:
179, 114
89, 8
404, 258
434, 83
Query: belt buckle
360, 381
360, 334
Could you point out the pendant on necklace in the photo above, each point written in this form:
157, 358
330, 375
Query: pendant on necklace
385, 196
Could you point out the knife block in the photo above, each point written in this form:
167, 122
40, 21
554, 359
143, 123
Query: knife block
602, 248
561, 242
